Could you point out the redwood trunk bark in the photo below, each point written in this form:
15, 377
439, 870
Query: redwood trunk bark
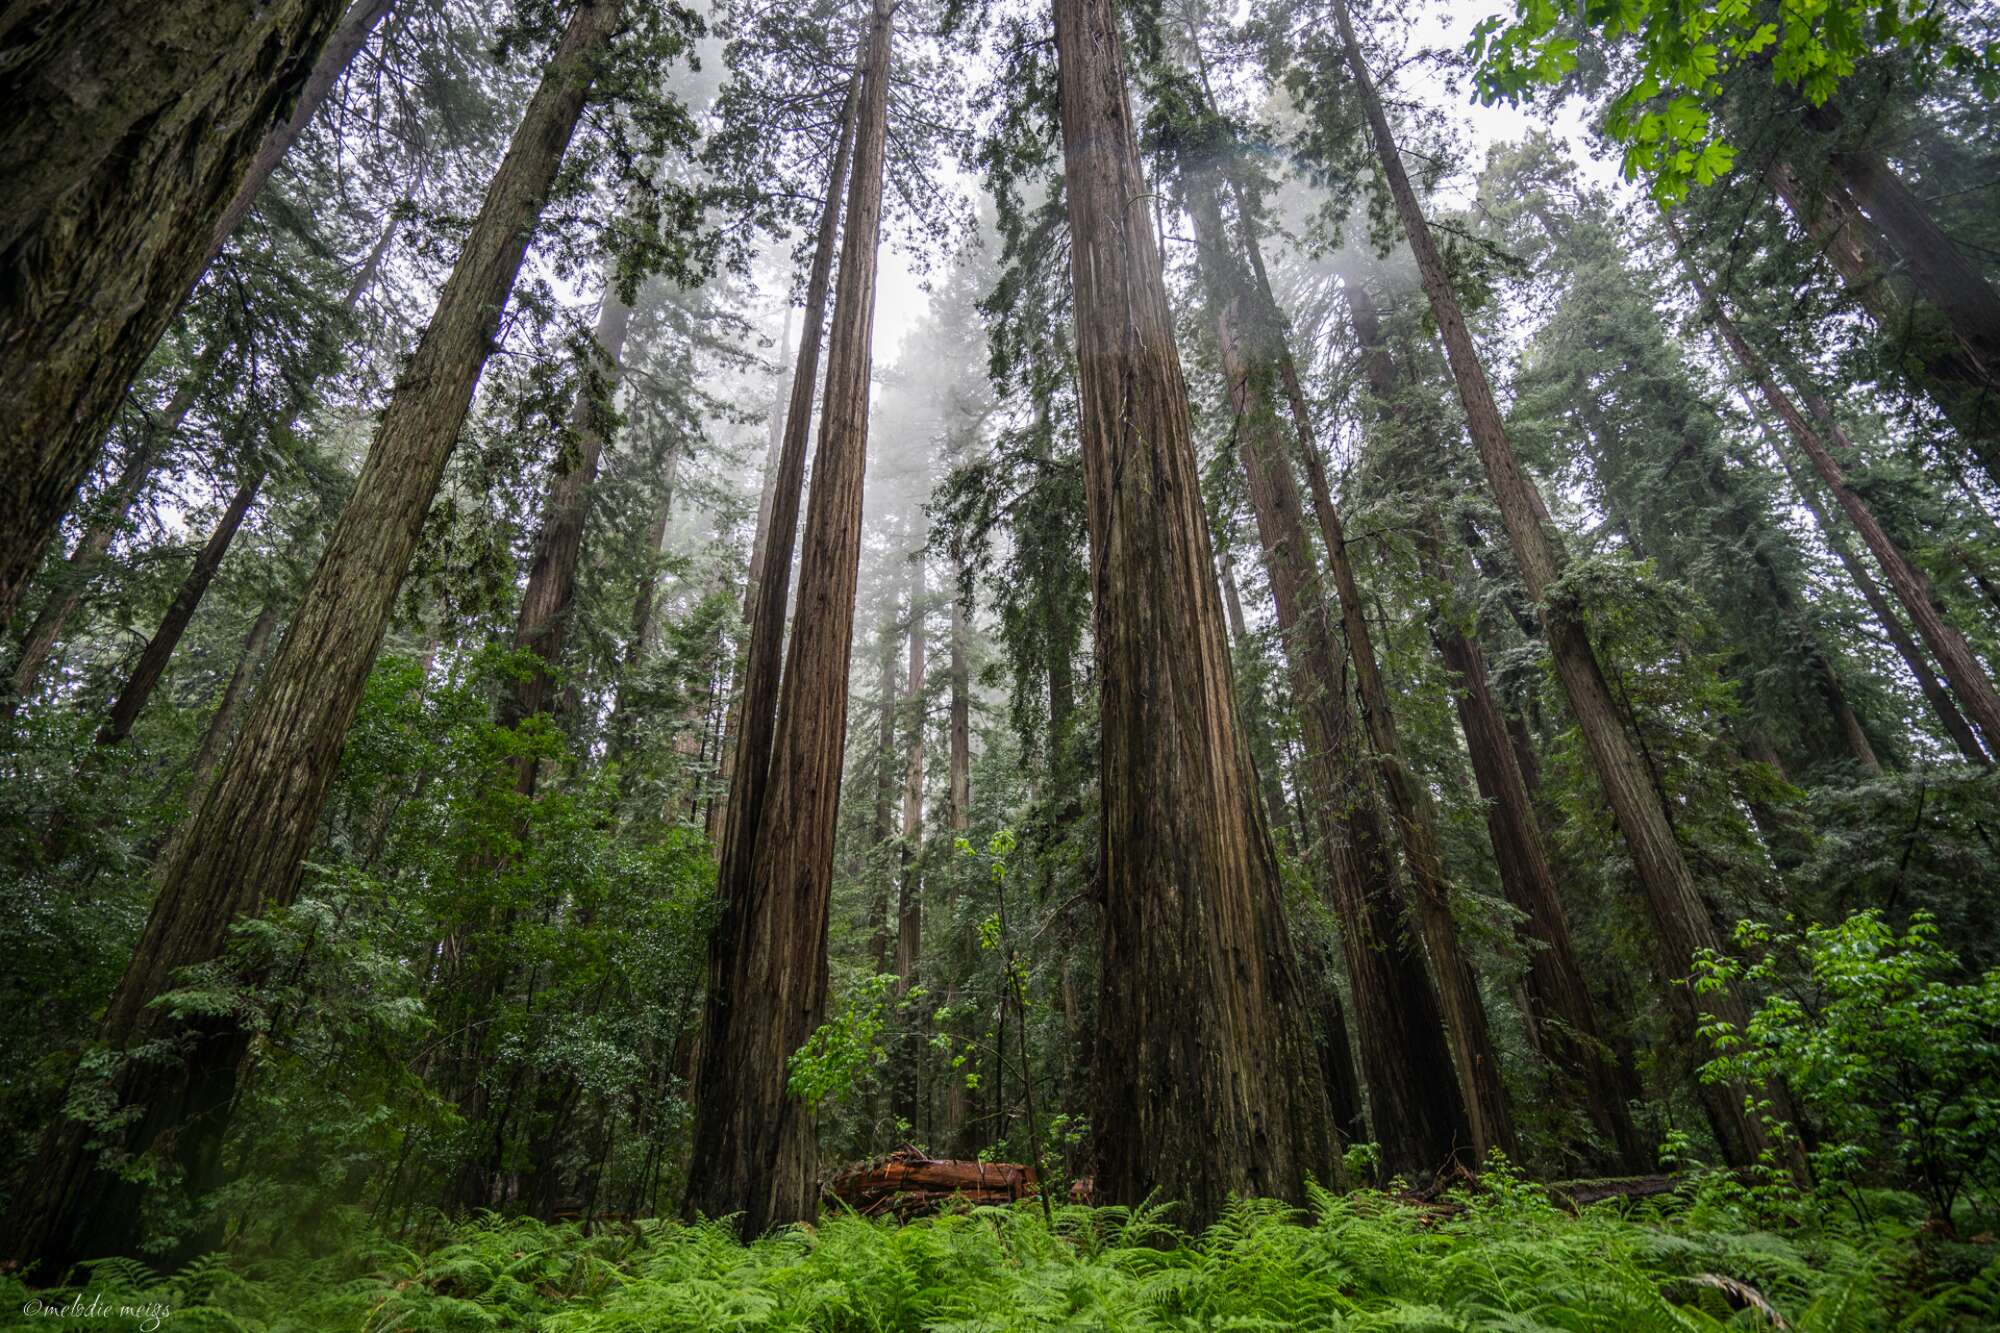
1423, 1122
755, 1148
242, 850
1681, 919
910, 892
112, 199
1205, 1079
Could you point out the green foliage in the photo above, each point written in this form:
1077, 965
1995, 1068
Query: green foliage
1897, 1061
1681, 51
1501, 1256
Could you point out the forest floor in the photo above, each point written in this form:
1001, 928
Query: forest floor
1710, 1256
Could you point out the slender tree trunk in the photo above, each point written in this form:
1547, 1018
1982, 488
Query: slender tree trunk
356, 26
243, 849
1936, 312
222, 724
1968, 678
1680, 918
755, 1148
765, 601
718, 809
45, 631
1206, 1084
884, 825
960, 775
1562, 1020
1935, 692
543, 622
1257, 731
152, 665
1423, 1121
910, 904
111, 203
644, 601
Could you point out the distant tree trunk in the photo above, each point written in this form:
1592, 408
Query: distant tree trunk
910, 905
883, 827
1257, 732
1423, 1120
1681, 919
222, 724
1206, 1084
45, 631
542, 625
1935, 692
242, 850
645, 599
960, 774
765, 601
112, 201
356, 25
755, 1148
1562, 1021
152, 665
718, 809
1933, 306
1968, 678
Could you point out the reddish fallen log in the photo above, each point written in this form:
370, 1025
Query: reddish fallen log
908, 1184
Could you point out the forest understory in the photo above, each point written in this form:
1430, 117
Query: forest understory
986, 664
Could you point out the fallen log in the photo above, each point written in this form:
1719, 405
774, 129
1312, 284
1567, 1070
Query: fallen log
908, 1184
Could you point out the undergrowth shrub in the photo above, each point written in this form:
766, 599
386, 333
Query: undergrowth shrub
1501, 1256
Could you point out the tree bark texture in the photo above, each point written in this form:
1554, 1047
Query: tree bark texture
245, 843
130, 127
1423, 1120
755, 1145
1681, 920
1205, 1079
765, 600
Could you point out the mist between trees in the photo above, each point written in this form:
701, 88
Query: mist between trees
617, 607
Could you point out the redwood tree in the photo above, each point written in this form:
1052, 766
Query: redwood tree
1205, 1083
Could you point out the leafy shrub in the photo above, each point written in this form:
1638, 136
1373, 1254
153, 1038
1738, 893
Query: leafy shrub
1897, 1063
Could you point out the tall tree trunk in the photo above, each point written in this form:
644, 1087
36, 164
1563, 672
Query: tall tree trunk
152, 664
718, 809
1968, 678
356, 26
222, 723
755, 1149
1893, 627
112, 201
1933, 307
960, 774
159, 650
1205, 1080
765, 601
243, 848
1562, 1020
1257, 730
884, 825
1681, 919
910, 900
645, 601
45, 631
543, 622
1423, 1120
